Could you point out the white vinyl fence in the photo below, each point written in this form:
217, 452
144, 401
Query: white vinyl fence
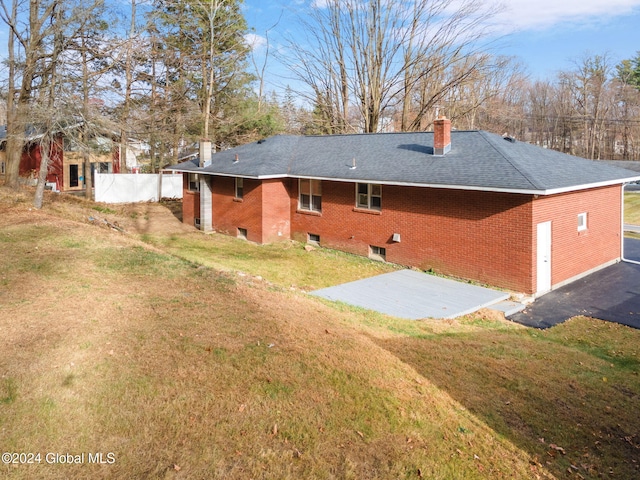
136, 187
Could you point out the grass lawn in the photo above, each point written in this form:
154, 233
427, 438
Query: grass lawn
632, 208
137, 346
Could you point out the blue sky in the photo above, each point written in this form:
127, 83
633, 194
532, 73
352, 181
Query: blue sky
547, 36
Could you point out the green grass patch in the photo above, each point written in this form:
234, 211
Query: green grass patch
137, 260
8, 391
567, 387
632, 208
285, 264
104, 209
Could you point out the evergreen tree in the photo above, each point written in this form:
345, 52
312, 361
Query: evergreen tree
629, 71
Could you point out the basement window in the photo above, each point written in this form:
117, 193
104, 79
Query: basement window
369, 196
377, 253
239, 188
242, 233
582, 221
313, 239
193, 182
310, 197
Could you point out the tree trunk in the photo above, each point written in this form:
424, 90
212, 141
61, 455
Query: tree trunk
45, 150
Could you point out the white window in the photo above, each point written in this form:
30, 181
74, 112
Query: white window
310, 197
194, 182
369, 196
239, 187
582, 221
377, 253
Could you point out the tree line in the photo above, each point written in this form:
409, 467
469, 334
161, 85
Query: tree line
172, 72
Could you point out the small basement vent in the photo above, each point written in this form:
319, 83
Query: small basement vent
242, 233
196, 222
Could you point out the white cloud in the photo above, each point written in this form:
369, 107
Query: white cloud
542, 14
255, 41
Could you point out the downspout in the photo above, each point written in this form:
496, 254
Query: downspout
622, 233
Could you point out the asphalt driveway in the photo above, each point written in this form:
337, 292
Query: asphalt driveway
611, 294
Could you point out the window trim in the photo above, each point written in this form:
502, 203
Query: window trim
315, 199
582, 222
370, 196
195, 181
239, 188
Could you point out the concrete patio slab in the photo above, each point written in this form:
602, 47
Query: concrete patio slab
413, 295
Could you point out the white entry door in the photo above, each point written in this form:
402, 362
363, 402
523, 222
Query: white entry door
544, 258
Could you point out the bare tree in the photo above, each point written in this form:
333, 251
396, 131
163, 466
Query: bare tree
587, 83
380, 55
39, 47
31, 37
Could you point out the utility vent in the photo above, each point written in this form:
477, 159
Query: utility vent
510, 139
196, 222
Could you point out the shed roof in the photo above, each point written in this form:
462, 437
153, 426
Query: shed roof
478, 160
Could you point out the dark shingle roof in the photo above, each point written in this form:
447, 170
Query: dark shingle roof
629, 165
478, 160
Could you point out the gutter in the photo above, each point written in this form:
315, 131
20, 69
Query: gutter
622, 229
474, 188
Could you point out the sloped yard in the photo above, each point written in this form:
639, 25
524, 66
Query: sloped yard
138, 338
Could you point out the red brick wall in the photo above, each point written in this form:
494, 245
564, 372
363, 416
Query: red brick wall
190, 202
276, 216
573, 252
263, 211
475, 235
230, 213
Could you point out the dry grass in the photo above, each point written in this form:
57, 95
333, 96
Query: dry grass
186, 371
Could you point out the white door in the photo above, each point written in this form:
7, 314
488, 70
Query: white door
544, 258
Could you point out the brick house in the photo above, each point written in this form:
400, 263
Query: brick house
465, 203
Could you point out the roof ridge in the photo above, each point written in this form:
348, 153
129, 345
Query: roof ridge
526, 174
364, 134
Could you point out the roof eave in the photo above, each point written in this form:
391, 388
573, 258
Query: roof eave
225, 174
522, 191
607, 183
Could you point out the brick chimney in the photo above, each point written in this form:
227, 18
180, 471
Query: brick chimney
441, 136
